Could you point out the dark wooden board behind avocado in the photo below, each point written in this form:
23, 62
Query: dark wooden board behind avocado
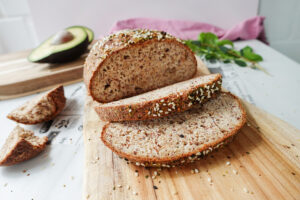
59, 53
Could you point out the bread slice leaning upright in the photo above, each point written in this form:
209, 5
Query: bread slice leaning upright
21, 145
40, 109
132, 62
164, 101
180, 138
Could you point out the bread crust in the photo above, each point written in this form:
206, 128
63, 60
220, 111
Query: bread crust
147, 109
55, 96
165, 161
22, 151
98, 56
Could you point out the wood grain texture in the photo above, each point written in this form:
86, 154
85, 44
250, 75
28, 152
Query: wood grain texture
19, 77
265, 156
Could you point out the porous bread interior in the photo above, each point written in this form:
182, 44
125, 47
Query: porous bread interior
174, 136
17, 134
142, 68
39, 108
176, 88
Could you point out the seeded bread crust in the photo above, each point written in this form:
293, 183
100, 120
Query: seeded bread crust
185, 157
122, 40
141, 108
42, 108
22, 149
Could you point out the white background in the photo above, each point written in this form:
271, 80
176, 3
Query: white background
17, 31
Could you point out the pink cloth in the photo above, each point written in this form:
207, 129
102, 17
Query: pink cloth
249, 29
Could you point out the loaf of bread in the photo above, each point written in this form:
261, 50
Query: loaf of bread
21, 145
40, 109
181, 138
132, 62
164, 101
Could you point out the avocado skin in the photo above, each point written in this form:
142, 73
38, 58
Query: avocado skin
66, 55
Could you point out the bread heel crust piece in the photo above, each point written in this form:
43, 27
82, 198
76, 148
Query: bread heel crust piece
162, 102
21, 145
132, 62
187, 135
40, 109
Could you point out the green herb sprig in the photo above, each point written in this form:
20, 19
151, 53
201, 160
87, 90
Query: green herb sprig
212, 49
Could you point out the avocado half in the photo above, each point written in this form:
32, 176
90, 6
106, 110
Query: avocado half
48, 52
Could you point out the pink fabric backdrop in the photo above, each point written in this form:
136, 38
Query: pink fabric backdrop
252, 28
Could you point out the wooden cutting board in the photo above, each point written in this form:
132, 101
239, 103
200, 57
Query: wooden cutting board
263, 162
19, 77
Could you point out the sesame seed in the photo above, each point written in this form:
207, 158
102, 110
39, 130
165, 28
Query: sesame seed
155, 173
209, 180
245, 190
128, 187
136, 174
119, 186
154, 115
192, 171
162, 100
137, 163
149, 113
190, 104
169, 110
161, 111
228, 163
234, 171
166, 112
129, 110
196, 171
164, 104
134, 193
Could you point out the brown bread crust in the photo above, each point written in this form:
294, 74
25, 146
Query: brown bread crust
165, 162
22, 151
112, 44
55, 97
167, 105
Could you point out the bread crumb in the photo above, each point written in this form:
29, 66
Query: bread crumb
5, 184
25, 170
128, 187
64, 185
72, 177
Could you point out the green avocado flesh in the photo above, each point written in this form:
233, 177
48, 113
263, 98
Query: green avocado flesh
56, 53
89, 32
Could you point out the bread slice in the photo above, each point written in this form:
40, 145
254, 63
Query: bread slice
132, 62
164, 101
180, 138
21, 145
40, 109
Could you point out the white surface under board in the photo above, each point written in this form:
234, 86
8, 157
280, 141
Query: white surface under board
58, 172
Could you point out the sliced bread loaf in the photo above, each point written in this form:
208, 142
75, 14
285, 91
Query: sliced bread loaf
164, 101
180, 138
21, 145
132, 62
40, 109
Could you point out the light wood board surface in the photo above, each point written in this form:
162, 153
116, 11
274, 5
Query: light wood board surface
263, 162
19, 77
